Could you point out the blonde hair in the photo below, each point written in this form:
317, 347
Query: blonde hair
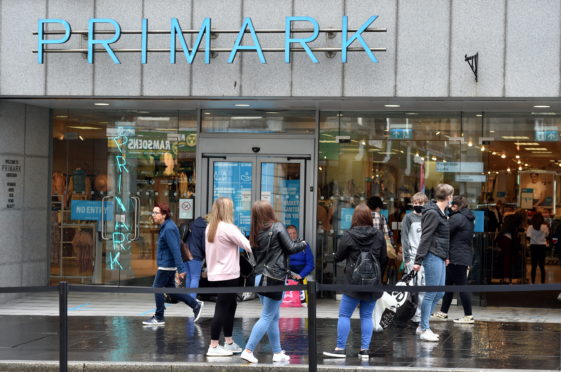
420, 197
222, 210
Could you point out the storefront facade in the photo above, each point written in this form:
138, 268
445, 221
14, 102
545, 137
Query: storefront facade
93, 143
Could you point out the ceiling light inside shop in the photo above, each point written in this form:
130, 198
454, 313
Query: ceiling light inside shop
503, 156
391, 106
437, 133
61, 116
479, 115
101, 104
433, 158
242, 105
246, 117
536, 148
206, 113
542, 106
517, 156
272, 112
515, 137
541, 152
491, 131
83, 127
153, 118
483, 148
470, 144
81, 138
543, 113
411, 113
526, 143
519, 168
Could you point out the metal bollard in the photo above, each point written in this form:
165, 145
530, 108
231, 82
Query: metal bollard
63, 326
312, 327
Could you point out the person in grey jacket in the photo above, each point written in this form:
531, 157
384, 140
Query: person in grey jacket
432, 253
410, 238
461, 224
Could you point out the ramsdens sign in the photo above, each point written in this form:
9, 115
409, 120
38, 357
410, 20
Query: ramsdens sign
176, 34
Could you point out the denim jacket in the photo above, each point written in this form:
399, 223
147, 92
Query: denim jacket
169, 253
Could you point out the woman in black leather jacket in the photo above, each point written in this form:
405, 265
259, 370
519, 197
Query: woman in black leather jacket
272, 246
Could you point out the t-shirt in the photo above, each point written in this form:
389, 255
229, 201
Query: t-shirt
538, 237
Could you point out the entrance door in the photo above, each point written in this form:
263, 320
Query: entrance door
280, 174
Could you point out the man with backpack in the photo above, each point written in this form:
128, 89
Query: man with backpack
364, 248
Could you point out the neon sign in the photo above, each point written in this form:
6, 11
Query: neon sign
203, 36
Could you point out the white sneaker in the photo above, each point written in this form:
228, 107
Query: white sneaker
468, 319
233, 347
439, 316
218, 351
428, 335
281, 357
249, 357
419, 331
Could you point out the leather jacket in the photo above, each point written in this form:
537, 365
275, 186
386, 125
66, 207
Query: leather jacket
272, 260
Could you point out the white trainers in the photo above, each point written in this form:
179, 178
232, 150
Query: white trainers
428, 335
218, 351
281, 357
233, 347
418, 331
439, 315
468, 319
249, 357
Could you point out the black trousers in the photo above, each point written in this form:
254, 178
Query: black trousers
456, 275
224, 311
537, 254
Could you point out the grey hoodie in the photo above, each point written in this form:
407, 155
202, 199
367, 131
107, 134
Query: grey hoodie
410, 235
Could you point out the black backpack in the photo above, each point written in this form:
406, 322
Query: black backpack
367, 269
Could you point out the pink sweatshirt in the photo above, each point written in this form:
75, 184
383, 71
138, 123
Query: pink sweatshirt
223, 255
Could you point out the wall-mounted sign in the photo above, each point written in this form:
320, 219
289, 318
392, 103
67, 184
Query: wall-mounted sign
401, 133
477, 178
90, 210
177, 35
459, 167
186, 209
11, 182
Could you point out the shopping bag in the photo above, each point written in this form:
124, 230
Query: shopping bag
384, 312
291, 298
406, 302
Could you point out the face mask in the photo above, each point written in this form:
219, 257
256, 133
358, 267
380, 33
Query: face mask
418, 208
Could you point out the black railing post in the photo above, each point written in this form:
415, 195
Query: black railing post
63, 322
312, 327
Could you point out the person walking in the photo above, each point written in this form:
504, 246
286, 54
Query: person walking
361, 237
168, 261
195, 240
433, 253
222, 241
301, 264
272, 246
410, 238
537, 233
461, 224
509, 242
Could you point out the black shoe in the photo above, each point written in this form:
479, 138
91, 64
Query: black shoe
364, 354
335, 353
197, 311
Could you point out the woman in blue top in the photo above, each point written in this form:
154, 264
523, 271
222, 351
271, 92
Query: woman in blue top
301, 263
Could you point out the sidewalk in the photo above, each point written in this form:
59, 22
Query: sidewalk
106, 331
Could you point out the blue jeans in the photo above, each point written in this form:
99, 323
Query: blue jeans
268, 323
166, 279
193, 275
435, 274
346, 309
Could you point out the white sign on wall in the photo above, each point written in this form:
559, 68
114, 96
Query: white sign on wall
186, 209
11, 182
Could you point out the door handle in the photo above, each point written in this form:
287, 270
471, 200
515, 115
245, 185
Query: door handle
103, 227
136, 217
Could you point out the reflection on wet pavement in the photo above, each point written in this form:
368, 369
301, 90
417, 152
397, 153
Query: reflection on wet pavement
483, 345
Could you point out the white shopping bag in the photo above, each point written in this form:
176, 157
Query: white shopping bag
384, 311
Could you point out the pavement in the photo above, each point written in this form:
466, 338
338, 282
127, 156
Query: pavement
105, 333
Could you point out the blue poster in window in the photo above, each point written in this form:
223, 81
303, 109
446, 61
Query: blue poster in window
479, 221
346, 218
291, 203
234, 180
90, 210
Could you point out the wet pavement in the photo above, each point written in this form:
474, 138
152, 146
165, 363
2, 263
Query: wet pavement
484, 345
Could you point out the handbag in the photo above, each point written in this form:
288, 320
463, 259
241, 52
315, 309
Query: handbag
185, 252
247, 264
391, 252
268, 281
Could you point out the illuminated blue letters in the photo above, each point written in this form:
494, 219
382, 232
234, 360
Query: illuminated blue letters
189, 56
64, 39
288, 39
105, 43
144, 41
237, 45
356, 36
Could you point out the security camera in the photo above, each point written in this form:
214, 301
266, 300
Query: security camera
256, 149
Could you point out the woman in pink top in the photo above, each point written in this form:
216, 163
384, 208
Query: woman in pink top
223, 240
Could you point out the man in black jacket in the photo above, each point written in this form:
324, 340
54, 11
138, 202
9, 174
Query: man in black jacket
461, 225
432, 253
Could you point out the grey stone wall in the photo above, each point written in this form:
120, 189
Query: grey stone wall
518, 43
24, 132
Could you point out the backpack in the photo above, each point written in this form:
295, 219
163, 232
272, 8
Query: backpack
367, 270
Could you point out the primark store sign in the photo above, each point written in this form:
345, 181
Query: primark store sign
299, 33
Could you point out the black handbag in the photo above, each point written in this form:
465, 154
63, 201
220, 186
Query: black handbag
268, 281
247, 264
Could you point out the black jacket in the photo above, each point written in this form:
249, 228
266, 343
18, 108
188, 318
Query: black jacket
461, 226
435, 235
349, 248
196, 238
273, 260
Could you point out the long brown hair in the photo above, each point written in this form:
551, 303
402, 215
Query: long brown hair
537, 221
362, 216
262, 217
222, 210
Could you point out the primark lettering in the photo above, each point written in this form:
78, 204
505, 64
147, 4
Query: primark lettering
176, 34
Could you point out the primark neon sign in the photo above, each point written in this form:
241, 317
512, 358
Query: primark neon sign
292, 43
